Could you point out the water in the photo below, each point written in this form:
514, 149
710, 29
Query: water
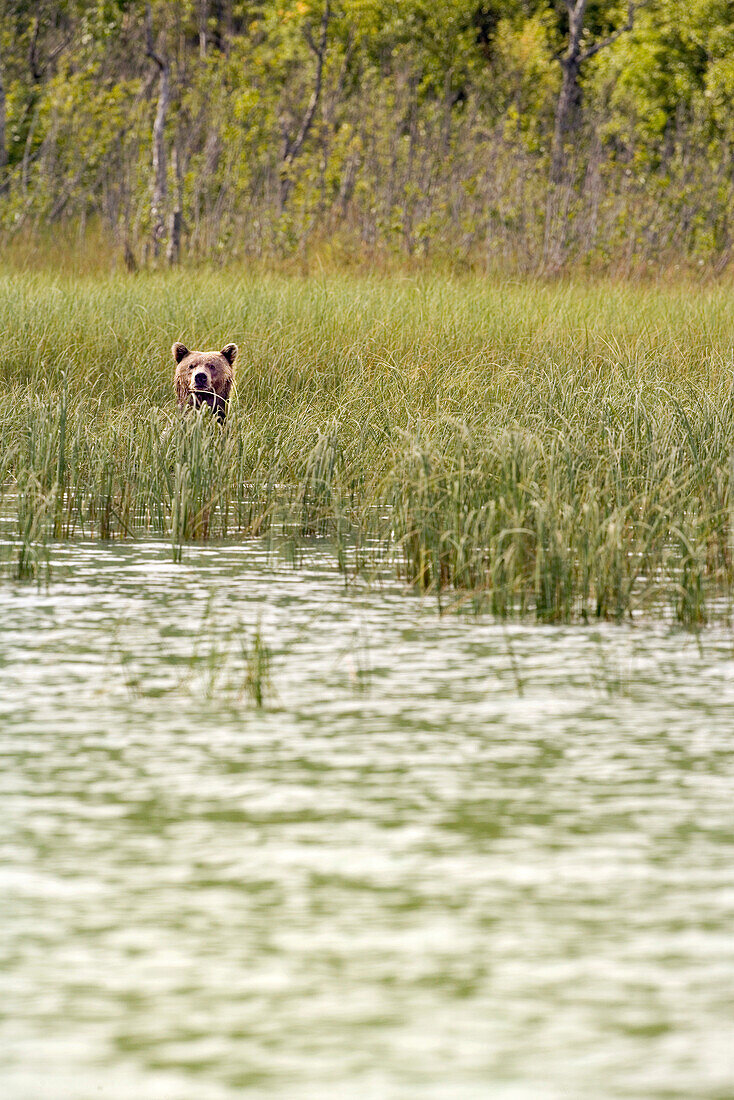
448, 860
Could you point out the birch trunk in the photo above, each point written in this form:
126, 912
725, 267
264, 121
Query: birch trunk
175, 222
292, 146
568, 99
3, 105
160, 178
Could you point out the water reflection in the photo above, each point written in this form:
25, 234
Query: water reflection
447, 859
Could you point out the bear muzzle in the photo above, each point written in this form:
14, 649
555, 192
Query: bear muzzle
201, 380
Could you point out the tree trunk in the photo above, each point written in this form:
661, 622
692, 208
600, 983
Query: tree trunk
3, 145
128, 256
292, 146
25, 166
159, 196
175, 222
558, 201
160, 178
571, 62
220, 13
568, 100
3, 139
203, 16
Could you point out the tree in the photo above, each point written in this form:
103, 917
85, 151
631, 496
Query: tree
293, 143
3, 111
160, 177
571, 60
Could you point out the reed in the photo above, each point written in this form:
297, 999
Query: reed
561, 451
257, 658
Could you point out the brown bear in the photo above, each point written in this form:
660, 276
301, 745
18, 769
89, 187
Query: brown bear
204, 378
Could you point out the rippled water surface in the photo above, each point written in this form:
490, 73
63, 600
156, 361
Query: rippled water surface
449, 859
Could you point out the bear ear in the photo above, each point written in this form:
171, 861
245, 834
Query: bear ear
229, 351
179, 352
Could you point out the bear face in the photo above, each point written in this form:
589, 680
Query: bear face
204, 378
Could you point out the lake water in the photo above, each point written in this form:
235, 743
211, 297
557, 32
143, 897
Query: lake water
449, 859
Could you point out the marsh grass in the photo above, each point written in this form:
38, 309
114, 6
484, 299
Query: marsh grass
257, 657
560, 451
225, 669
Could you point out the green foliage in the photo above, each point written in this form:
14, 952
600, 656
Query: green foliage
676, 63
421, 128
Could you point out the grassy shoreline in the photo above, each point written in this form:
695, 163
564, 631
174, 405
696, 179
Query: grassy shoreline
557, 450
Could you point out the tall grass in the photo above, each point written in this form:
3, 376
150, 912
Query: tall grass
555, 450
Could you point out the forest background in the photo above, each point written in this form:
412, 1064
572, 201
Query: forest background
513, 135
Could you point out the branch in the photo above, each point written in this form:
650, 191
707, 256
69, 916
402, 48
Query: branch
56, 51
149, 48
294, 147
632, 8
36, 73
38, 68
318, 50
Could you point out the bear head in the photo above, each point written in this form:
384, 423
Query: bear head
204, 378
